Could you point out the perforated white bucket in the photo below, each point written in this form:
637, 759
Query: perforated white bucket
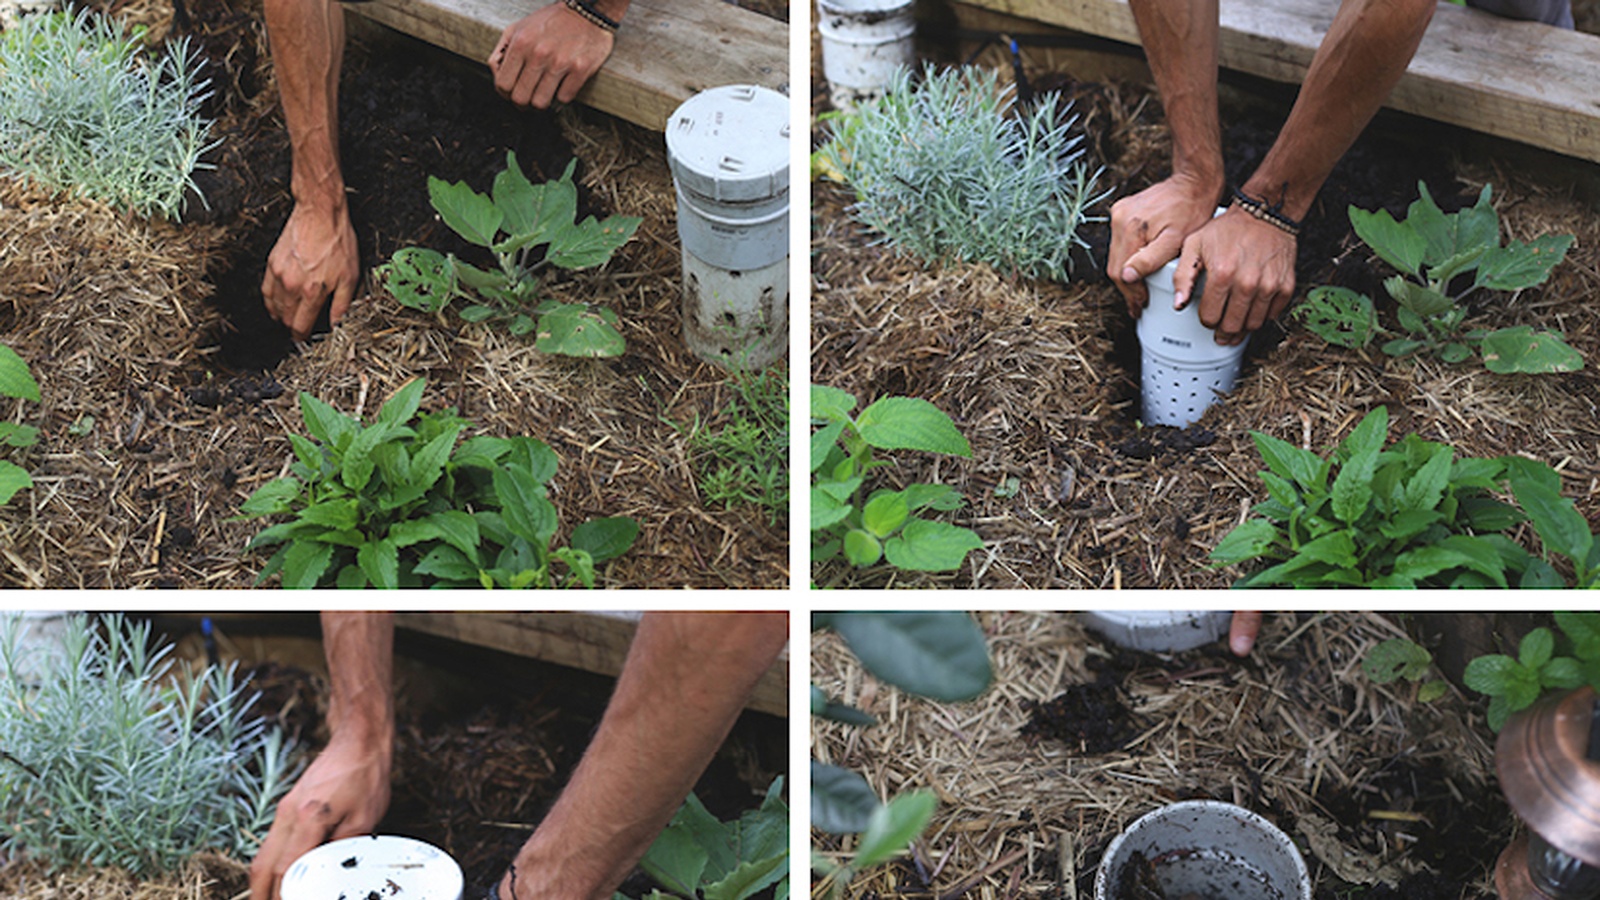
1185, 369
863, 42
374, 867
1208, 849
728, 148
1159, 630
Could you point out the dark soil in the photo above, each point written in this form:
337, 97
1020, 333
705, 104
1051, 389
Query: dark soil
403, 117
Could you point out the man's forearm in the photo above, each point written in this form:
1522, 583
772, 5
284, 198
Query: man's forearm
687, 677
1364, 54
1180, 40
360, 651
307, 38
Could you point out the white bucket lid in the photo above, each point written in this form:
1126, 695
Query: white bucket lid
1159, 630
388, 866
731, 143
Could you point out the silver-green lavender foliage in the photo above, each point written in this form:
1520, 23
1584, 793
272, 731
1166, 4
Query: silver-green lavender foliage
83, 108
949, 169
112, 756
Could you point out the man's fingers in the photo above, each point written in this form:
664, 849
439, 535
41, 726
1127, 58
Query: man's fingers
304, 316
342, 299
1242, 632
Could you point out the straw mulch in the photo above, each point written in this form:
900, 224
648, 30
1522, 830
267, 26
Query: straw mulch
1037, 376
1284, 734
111, 314
208, 876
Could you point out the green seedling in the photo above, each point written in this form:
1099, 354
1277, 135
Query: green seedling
527, 227
884, 524
396, 504
742, 455
15, 382
699, 857
1411, 515
938, 655
111, 755
1399, 658
85, 109
1434, 250
949, 170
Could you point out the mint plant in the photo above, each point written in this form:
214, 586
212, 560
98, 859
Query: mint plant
938, 655
947, 169
1434, 250
698, 857
527, 227
85, 108
1410, 516
885, 524
16, 382
1516, 683
390, 504
110, 755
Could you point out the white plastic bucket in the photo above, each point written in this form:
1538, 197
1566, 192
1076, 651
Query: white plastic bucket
728, 148
1184, 369
1159, 630
1210, 849
863, 42
375, 867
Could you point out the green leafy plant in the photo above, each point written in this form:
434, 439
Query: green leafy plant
1410, 516
1516, 683
938, 655
84, 108
743, 454
112, 756
17, 383
699, 857
390, 504
527, 227
948, 169
886, 525
1434, 250
1399, 658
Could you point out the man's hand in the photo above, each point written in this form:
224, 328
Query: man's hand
315, 258
548, 55
1249, 269
1148, 229
1242, 632
342, 794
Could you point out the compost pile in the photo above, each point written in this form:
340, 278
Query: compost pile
1042, 378
1392, 796
168, 396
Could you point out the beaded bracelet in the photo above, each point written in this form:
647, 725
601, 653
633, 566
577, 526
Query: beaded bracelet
595, 17
1269, 214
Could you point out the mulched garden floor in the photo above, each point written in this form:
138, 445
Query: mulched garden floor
168, 395
1386, 797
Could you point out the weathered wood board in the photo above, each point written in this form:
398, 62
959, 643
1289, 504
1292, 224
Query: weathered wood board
592, 641
1519, 80
666, 51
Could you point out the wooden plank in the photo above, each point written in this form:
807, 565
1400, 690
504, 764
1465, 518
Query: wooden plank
592, 641
1520, 80
666, 50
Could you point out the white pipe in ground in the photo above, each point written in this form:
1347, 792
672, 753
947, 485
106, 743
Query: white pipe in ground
863, 42
728, 148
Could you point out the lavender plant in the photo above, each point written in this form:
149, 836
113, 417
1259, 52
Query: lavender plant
110, 755
84, 108
952, 169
